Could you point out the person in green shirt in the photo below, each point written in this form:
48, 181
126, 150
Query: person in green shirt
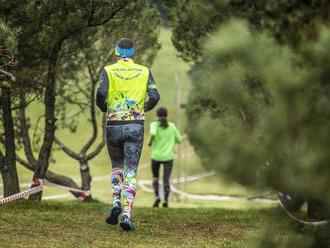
163, 136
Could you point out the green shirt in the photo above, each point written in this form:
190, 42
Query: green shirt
163, 141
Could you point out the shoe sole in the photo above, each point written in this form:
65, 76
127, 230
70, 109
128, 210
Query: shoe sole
156, 204
126, 226
113, 218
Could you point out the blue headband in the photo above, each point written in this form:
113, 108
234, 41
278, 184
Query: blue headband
124, 52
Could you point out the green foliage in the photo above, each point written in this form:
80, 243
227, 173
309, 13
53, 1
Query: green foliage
260, 114
8, 39
269, 119
288, 21
193, 21
8, 50
46, 27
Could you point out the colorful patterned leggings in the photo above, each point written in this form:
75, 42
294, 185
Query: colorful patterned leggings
125, 144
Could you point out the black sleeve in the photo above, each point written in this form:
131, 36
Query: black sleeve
153, 94
102, 92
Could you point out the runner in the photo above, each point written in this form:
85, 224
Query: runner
122, 92
164, 135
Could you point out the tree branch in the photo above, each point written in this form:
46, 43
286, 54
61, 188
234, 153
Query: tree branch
99, 148
115, 11
25, 104
81, 89
35, 132
12, 77
50, 119
66, 149
91, 17
24, 130
2, 160
23, 162
51, 176
92, 113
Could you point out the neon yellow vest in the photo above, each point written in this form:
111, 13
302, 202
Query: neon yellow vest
127, 90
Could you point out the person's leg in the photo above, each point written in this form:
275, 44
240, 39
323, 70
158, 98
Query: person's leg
116, 152
116, 182
155, 166
166, 180
133, 143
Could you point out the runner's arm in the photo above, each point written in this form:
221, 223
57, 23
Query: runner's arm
153, 94
153, 130
151, 140
102, 92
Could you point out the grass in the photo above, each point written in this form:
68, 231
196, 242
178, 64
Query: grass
28, 224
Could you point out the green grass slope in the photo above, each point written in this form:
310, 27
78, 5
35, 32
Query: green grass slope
27, 224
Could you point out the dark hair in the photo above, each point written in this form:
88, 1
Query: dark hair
162, 117
125, 43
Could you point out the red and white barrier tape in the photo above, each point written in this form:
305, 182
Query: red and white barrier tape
67, 188
37, 187
83, 193
304, 222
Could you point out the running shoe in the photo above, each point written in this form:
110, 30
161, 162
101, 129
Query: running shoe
165, 205
126, 224
156, 203
114, 213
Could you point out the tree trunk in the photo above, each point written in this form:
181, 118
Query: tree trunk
53, 177
8, 161
49, 133
62, 180
86, 178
